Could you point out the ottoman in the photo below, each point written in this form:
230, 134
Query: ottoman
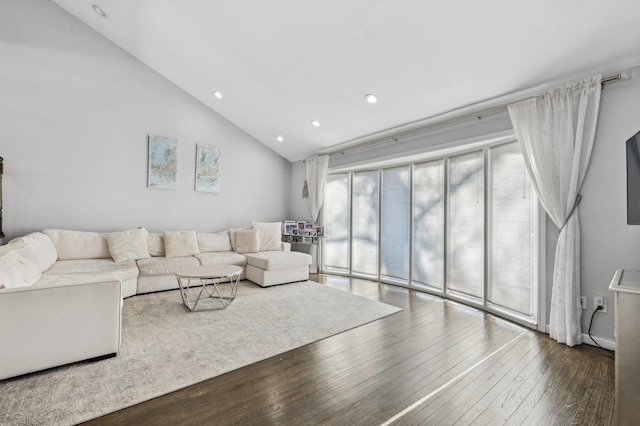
277, 267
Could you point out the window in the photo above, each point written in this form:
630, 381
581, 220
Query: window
462, 226
511, 211
465, 251
365, 223
428, 225
337, 206
394, 241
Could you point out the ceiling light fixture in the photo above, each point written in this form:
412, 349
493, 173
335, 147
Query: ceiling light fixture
316, 123
99, 10
217, 94
280, 139
371, 98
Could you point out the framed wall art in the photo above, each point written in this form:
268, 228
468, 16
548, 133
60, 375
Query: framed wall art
208, 168
163, 162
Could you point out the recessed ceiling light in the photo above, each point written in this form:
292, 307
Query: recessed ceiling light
217, 94
316, 123
371, 98
99, 10
280, 139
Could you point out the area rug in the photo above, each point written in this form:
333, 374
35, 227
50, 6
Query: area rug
165, 348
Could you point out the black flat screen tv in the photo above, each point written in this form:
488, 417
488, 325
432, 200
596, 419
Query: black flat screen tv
633, 180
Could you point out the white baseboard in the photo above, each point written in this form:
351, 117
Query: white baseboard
605, 343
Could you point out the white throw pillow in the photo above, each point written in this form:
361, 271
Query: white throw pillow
12, 245
269, 235
232, 236
247, 241
214, 241
42, 249
128, 245
180, 243
155, 243
19, 268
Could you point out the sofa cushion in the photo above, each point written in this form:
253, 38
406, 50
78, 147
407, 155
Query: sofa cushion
278, 260
269, 235
79, 244
180, 243
232, 236
19, 268
121, 270
11, 245
78, 278
221, 258
42, 248
247, 241
165, 265
213, 241
155, 243
128, 245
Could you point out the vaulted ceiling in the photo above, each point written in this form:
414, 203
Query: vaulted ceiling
279, 64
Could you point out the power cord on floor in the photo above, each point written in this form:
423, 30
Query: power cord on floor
599, 308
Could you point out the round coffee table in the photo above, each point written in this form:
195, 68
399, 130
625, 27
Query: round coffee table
208, 275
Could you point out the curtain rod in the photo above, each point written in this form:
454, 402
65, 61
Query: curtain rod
396, 138
620, 76
623, 75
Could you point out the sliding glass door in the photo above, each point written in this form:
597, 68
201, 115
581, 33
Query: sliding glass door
337, 207
428, 225
365, 223
465, 248
462, 226
511, 228
394, 241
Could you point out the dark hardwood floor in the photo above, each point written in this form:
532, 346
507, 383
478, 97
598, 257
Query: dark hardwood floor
435, 363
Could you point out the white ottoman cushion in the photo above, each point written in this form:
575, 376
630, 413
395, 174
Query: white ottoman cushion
268, 278
278, 260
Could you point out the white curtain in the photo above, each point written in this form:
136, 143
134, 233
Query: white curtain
316, 181
556, 133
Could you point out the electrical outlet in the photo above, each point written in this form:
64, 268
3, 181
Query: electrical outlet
600, 301
583, 302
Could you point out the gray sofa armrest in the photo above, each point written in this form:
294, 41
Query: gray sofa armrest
48, 326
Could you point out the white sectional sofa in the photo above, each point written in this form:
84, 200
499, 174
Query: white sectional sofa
49, 319
61, 291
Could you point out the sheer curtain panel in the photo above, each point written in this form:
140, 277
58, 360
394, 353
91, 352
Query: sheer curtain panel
316, 181
556, 133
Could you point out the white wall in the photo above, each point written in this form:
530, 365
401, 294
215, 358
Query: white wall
299, 209
75, 111
608, 243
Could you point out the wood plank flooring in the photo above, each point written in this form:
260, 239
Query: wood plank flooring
435, 363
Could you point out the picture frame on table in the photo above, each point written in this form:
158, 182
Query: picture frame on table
289, 226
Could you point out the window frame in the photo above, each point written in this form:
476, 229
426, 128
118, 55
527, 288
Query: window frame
444, 153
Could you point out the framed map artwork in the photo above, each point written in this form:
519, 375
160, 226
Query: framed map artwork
208, 168
163, 162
